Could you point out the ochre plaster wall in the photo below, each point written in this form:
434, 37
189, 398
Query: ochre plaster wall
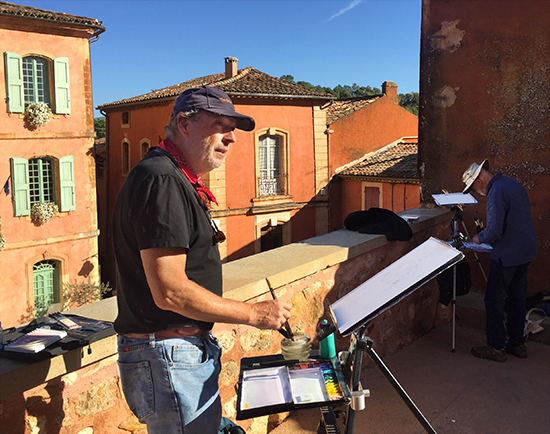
380, 123
485, 93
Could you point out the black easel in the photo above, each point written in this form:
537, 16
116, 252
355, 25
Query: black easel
359, 345
456, 240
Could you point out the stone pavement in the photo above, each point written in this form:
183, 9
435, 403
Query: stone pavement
456, 392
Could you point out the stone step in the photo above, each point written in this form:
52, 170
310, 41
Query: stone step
470, 312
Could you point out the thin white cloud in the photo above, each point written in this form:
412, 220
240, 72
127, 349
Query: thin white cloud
344, 10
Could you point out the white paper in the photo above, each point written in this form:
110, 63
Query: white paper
394, 281
308, 386
477, 247
265, 387
454, 199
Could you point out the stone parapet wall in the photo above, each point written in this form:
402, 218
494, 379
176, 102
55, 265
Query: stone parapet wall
79, 392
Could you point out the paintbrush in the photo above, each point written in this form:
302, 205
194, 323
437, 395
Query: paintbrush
287, 332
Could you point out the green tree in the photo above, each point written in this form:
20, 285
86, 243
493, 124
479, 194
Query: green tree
409, 101
99, 127
289, 78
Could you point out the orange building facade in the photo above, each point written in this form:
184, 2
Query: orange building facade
45, 58
357, 127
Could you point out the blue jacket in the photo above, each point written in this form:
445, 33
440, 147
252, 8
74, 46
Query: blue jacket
510, 228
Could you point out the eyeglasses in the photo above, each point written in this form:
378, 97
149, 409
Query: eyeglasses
219, 236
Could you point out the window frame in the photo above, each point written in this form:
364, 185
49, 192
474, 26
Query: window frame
42, 183
39, 89
145, 144
125, 157
49, 269
282, 187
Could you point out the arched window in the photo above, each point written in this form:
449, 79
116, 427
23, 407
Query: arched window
36, 80
46, 286
145, 145
125, 158
272, 162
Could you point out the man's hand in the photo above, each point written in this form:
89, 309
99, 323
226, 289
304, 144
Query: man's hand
475, 239
270, 314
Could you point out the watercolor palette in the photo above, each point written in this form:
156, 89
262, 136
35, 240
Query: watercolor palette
268, 386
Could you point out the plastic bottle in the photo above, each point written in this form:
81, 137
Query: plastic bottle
328, 348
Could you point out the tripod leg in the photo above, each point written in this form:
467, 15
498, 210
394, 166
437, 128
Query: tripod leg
356, 379
454, 308
419, 416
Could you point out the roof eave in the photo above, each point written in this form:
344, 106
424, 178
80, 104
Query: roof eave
168, 98
377, 179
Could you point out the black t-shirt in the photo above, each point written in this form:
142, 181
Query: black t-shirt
158, 207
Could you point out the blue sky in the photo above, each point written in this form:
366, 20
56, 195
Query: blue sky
152, 44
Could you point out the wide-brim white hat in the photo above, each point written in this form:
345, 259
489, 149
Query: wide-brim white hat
471, 173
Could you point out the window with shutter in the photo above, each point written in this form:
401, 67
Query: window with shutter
28, 82
37, 180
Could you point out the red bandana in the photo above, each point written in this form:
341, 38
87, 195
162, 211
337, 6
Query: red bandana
195, 180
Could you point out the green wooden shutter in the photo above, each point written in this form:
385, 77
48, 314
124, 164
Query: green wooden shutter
20, 184
62, 87
14, 82
66, 183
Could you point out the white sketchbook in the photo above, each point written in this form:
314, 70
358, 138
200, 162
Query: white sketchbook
35, 341
392, 284
454, 199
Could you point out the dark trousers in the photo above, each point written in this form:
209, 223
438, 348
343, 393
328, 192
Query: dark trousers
505, 293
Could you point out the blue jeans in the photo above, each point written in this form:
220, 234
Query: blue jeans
505, 293
172, 384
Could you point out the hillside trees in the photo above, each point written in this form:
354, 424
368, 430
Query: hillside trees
408, 101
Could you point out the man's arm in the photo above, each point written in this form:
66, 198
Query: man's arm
172, 290
496, 213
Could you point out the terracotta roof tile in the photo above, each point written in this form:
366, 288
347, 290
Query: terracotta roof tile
18, 11
248, 82
397, 161
343, 107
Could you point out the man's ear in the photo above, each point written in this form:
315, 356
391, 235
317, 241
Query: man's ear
183, 124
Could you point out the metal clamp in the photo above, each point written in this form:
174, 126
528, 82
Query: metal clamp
358, 398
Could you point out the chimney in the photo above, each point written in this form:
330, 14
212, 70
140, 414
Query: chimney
230, 67
389, 88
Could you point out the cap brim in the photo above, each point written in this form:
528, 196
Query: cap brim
245, 123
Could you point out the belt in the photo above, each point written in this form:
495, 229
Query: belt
172, 333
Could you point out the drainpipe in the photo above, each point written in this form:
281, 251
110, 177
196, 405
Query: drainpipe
96, 34
328, 132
